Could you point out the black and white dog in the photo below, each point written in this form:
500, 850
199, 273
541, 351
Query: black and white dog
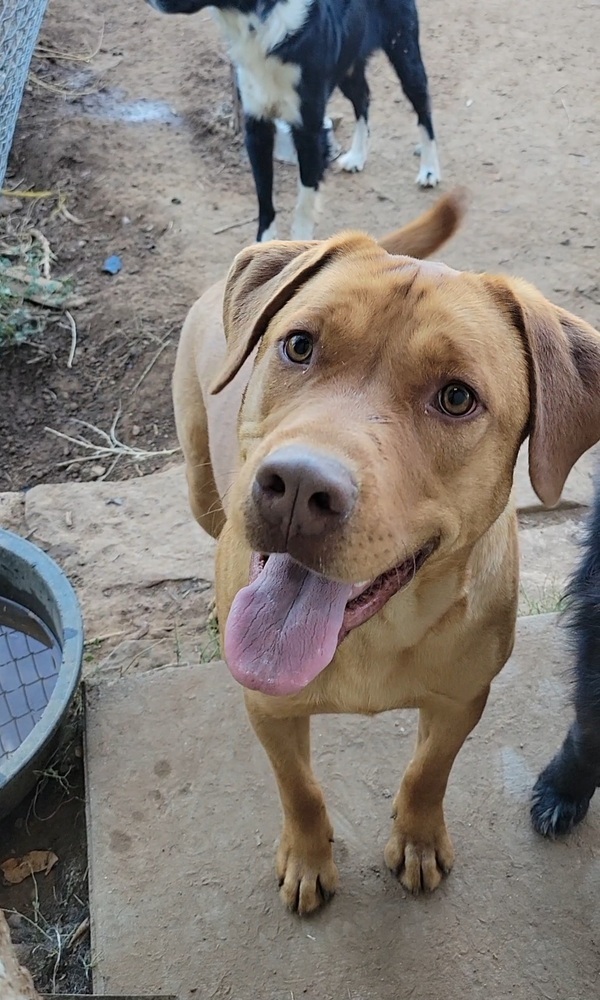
565, 787
290, 55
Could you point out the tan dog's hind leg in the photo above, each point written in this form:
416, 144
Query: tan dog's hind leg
192, 430
419, 850
305, 868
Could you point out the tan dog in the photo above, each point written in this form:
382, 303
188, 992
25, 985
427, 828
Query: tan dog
367, 555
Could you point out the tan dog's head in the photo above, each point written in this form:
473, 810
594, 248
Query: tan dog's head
380, 428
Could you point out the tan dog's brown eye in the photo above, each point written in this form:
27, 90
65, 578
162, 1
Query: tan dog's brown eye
298, 347
456, 399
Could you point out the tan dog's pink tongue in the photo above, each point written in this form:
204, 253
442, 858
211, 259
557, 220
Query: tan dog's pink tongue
283, 628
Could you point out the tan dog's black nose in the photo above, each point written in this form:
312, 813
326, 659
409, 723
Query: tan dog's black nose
300, 493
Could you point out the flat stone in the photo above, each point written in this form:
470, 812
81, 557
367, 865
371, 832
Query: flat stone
134, 553
172, 650
578, 489
549, 546
183, 817
12, 512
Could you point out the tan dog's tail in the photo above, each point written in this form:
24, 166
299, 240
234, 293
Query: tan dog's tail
431, 230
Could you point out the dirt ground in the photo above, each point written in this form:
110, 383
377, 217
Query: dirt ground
128, 116
48, 913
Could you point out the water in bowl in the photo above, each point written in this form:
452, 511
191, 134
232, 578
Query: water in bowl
30, 659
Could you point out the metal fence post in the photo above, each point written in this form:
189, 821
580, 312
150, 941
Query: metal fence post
20, 23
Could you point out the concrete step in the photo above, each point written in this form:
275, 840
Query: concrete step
183, 817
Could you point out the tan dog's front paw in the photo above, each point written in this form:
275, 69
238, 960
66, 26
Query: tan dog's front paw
307, 874
419, 861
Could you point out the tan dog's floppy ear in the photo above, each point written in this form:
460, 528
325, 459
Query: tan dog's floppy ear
564, 365
265, 276
262, 278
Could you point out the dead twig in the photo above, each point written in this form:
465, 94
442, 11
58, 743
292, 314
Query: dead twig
235, 225
73, 328
150, 366
47, 254
110, 448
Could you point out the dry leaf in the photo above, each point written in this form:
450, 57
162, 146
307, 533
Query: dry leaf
16, 870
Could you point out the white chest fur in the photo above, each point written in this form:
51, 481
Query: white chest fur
267, 85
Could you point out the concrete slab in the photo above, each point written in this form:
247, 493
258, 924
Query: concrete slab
549, 551
183, 818
139, 561
12, 512
578, 488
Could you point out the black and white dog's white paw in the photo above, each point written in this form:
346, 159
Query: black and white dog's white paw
429, 175
354, 160
305, 214
269, 234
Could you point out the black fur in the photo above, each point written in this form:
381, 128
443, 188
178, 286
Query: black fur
563, 791
332, 49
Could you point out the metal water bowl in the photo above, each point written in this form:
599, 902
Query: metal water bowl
29, 578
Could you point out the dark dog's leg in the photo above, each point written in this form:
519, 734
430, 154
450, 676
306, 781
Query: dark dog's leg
562, 793
404, 52
311, 147
563, 790
354, 86
260, 137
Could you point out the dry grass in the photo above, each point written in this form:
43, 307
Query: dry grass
107, 447
31, 300
49, 916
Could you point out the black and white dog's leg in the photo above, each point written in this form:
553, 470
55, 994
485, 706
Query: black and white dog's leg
285, 151
404, 52
260, 135
354, 86
311, 147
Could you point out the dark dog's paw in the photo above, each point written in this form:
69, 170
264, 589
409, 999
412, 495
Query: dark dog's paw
552, 812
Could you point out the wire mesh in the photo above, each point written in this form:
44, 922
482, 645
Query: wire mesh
20, 23
30, 660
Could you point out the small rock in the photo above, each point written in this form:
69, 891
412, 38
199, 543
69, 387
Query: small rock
9, 205
97, 471
136, 430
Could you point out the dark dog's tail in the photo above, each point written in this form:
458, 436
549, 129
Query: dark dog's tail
431, 230
563, 790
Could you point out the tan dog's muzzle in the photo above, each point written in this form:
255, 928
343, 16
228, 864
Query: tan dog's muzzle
298, 497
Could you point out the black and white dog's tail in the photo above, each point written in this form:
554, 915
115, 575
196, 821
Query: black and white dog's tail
563, 791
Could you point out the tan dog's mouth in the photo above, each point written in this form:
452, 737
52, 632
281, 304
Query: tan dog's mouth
286, 625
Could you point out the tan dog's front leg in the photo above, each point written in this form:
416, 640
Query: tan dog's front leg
419, 850
307, 874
